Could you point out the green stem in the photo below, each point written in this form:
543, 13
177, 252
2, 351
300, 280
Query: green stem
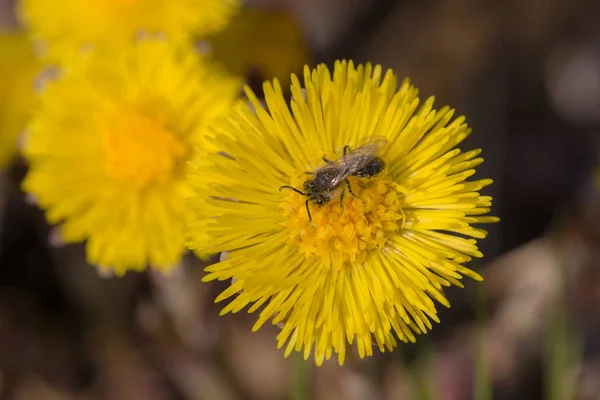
563, 349
422, 374
483, 384
300, 377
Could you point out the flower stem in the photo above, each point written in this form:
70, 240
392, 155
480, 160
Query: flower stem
300, 377
422, 374
563, 348
483, 384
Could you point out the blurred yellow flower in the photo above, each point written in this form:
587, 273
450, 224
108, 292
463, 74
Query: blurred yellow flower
67, 26
18, 69
367, 273
264, 42
109, 144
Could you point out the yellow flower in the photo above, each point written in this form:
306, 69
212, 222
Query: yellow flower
18, 69
109, 144
268, 43
368, 273
66, 26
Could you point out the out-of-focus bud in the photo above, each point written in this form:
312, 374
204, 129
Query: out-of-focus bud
573, 82
261, 45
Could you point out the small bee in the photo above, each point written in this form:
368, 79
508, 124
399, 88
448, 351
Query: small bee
361, 162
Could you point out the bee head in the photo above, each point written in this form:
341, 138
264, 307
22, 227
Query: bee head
315, 193
310, 186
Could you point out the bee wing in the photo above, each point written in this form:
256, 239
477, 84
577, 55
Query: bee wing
339, 171
368, 140
372, 147
361, 156
353, 161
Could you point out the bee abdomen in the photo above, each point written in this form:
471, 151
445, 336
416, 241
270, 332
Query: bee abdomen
373, 168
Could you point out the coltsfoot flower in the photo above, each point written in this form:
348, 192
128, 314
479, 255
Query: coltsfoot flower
368, 271
109, 144
67, 26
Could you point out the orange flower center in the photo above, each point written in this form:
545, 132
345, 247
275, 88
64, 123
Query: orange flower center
345, 235
141, 150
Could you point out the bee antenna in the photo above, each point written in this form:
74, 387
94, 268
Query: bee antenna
292, 188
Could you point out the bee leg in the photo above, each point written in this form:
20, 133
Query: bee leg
350, 188
308, 212
326, 160
342, 195
292, 188
346, 148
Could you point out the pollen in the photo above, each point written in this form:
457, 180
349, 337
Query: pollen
141, 150
342, 236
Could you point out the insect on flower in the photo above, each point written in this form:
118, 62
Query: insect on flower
378, 273
361, 162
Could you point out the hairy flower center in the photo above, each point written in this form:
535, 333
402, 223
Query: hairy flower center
339, 236
140, 150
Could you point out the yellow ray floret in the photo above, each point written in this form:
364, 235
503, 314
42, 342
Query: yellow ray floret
109, 144
67, 26
366, 265
18, 70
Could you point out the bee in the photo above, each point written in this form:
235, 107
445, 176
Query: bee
361, 162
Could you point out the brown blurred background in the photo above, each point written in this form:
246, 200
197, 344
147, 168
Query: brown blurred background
527, 76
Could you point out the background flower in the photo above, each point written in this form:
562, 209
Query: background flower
367, 270
67, 26
18, 69
109, 145
262, 44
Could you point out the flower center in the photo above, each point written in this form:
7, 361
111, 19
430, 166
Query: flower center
141, 150
339, 235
